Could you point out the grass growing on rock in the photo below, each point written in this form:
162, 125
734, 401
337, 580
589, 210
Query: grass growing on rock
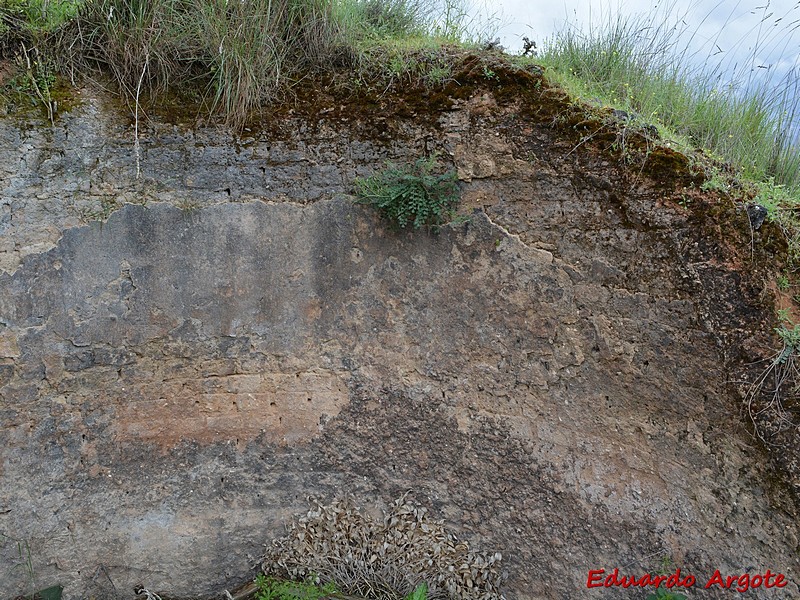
643, 64
737, 123
238, 55
242, 54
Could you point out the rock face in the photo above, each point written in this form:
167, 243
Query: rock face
550, 377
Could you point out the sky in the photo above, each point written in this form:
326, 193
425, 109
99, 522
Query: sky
765, 33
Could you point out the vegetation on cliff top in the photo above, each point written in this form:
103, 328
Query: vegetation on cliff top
643, 65
236, 56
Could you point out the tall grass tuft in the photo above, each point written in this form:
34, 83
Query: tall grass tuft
241, 54
651, 65
245, 51
132, 39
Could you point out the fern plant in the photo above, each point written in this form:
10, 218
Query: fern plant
411, 194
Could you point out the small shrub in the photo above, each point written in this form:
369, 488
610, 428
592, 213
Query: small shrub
404, 556
776, 388
790, 336
411, 194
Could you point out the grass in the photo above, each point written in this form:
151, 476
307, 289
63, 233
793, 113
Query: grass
648, 65
661, 594
25, 559
240, 55
273, 588
237, 55
775, 390
25, 562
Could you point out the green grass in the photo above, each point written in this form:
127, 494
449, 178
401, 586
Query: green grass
714, 115
237, 55
641, 64
37, 16
273, 588
240, 54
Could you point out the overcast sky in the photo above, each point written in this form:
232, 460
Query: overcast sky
766, 32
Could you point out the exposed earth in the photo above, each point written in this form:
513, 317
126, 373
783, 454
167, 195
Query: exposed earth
560, 376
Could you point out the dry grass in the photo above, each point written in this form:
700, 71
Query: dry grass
383, 559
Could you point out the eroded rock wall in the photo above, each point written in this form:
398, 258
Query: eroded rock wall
549, 377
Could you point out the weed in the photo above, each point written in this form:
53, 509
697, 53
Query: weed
778, 381
27, 28
25, 557
240, 54
382, 19
667, 567
775, 199
717, 182
457, 220
54, 592
403, 556
637, 64
419, 593
783, 282
436, 75
271, 588
100, 210
41, 16
781, 206
188, 205
411, 194
790, 336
